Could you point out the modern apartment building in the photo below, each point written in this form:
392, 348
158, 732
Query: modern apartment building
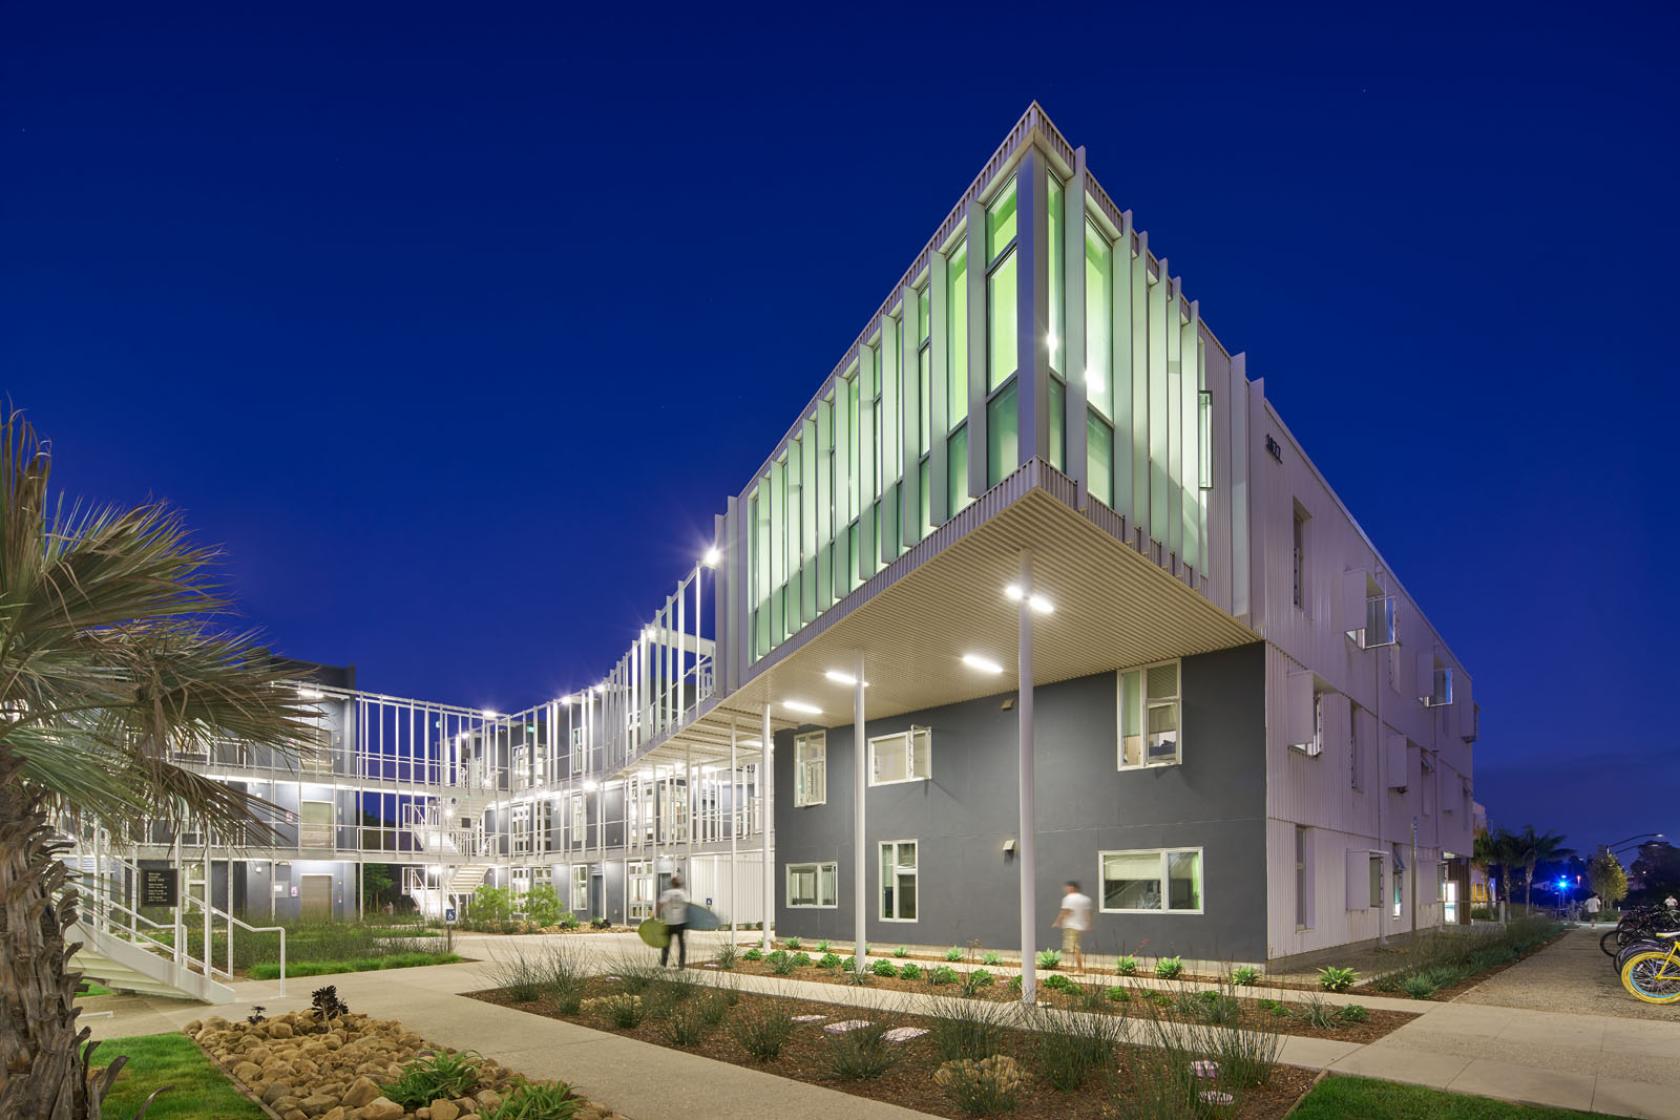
1043, 539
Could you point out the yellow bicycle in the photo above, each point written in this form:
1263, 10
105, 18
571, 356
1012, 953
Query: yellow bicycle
1653, 974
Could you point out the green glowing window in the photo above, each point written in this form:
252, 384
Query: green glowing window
1099, 307
1000, 222
1003, 446
956, 386
1099, 458
1058, 425
1057, 267
956, 472
1002, 322
924, 378
924, 314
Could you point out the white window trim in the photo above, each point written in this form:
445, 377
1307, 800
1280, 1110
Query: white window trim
881, 889
909, 737
1201, 875
572, 895
1143, 698
801, 794
787, 885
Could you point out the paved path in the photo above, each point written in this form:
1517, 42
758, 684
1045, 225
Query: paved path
1572, 975
1614, 1064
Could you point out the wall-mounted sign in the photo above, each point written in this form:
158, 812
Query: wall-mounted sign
159, 886
294, 890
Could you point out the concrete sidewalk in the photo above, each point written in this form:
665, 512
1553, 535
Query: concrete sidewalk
1619, 1066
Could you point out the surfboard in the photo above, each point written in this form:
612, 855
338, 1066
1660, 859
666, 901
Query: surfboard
655, 933
702, 918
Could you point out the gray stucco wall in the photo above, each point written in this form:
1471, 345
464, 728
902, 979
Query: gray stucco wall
962, 817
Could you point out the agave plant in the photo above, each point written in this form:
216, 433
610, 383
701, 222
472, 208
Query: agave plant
111, 654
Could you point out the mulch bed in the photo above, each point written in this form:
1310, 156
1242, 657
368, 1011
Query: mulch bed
1253, 1016
1442, 995
909, 1082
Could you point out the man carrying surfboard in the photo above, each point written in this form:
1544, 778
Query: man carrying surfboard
673, 910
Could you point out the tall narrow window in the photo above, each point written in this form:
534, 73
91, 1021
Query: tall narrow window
1058, 424
1099, 458
1300, 556
1003, 445
956, 472
1099, 311
1053, 344
1002, 319
898, 881
1303, 880
580, 888
810, 764
1149, 716
956, 317
1204, 400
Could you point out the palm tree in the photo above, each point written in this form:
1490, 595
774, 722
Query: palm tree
109, 658
1532, 848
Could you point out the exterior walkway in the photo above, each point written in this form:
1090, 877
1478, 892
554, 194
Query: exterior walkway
1615, 1064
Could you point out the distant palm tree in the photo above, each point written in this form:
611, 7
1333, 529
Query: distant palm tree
1532, 848
108, 659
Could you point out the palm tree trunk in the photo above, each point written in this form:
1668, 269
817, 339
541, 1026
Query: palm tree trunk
41, 1068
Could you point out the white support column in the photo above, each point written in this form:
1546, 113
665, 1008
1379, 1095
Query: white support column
767, 777
860, 847
734, 830
1025, 847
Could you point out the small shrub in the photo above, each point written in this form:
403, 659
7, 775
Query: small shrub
1245, 976
560, 978
829, 961
781, 964
1169, 968
542, 905
536, 1102
965, 1028
975, 979
1056, 982
637, 978
1048, 959
1119, 995
256, 1016
324, 1004
1317, 1014
1068, 1049
1274, 1006
1353, 1013
762, 1032
424, 1080
953, 954
714, 1007
848, 963
727, 956
991, 959
1334, 979
793, 943
600, 923
624, 1010
1418, 987
569, 920
1218, 1009
802, 960
1481, 914
1127, 965
490, 905
686, 1025
862, 1053
901, 952
909, 971
519, 976
983, 1087
822, 946
753, 954
944, 974
884, 968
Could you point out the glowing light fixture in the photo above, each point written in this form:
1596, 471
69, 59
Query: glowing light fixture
1039, 603
848, 679
310, 694
713, 557
982, 664
491, 713
802, 707
590, 785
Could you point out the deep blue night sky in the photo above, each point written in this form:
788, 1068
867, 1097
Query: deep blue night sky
457, 334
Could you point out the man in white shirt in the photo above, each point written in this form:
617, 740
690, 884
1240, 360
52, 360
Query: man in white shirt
673, 911
1074, 920
1591, 906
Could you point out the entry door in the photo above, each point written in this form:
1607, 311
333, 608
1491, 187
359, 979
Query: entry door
315, 897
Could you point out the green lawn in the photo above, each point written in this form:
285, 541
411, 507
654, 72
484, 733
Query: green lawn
199, 1088
92, 988
1337, 1098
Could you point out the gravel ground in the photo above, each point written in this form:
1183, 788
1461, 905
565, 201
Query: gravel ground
1572, 975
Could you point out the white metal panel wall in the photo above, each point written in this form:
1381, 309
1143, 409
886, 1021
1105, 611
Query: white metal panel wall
711, 879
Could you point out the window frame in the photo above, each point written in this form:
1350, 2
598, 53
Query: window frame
572, 895
1143, 699
815, 867
915, 871
909, 736
802, 798
1164, 854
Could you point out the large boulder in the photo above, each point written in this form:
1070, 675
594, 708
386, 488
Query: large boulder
382, 1108
362, 1091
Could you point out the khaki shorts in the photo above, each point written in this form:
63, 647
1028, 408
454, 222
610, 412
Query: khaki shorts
1070, 939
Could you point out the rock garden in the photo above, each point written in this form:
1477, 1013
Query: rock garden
328, 1063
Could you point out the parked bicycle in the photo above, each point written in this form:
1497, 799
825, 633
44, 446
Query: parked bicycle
1638, 925
1651, 970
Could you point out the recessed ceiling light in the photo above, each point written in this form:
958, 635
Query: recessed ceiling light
848, 679
1038, 602
802, 707
982, 664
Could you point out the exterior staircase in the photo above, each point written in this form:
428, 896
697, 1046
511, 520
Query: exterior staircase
130, 966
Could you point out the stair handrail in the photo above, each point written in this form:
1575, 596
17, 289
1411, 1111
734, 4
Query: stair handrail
217, 912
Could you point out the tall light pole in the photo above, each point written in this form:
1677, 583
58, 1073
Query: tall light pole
860, 847
1025, 855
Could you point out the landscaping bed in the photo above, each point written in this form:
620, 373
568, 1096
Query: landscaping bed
1248, 1008
1447, 965
1096, 1065
330, 1064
